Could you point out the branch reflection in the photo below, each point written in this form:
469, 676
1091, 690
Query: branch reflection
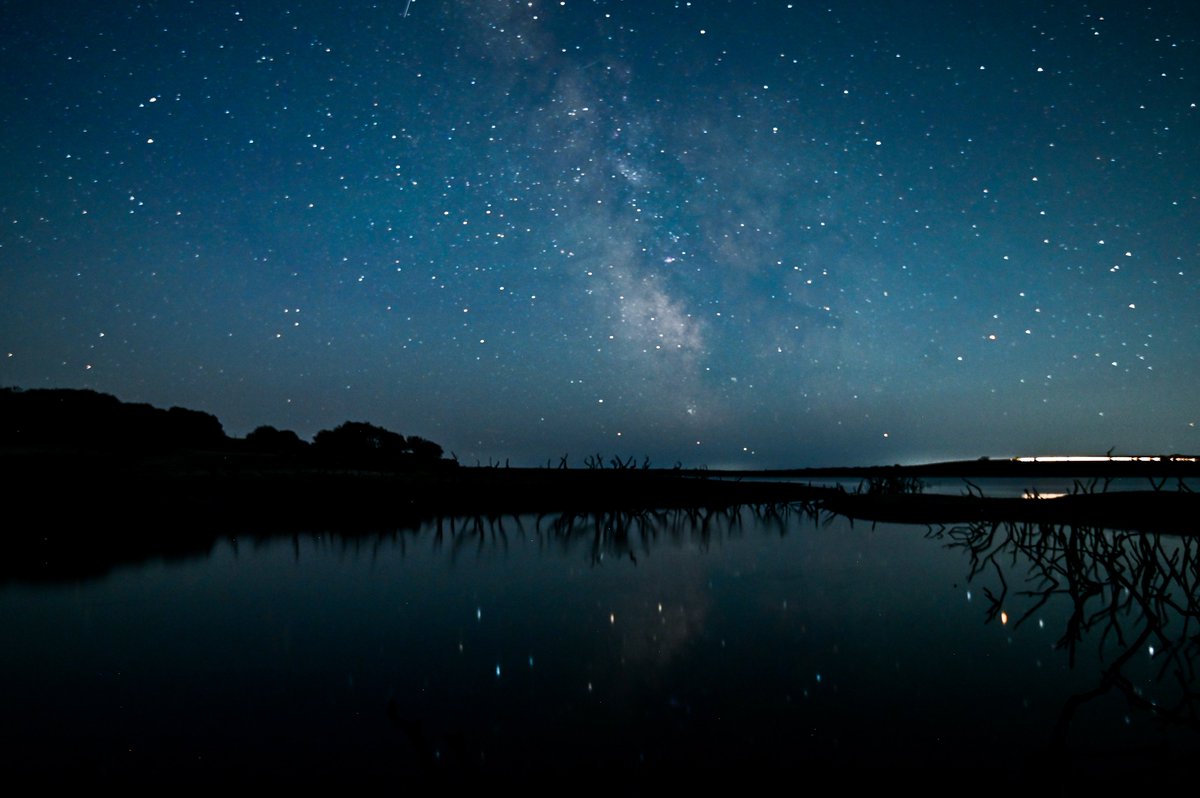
1131, 593
620, 534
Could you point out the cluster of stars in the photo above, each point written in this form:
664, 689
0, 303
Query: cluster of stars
676, 204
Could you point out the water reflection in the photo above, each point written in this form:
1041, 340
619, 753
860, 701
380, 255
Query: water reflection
1133, 601
613, 535
682, 643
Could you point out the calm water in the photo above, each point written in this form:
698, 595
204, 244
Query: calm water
1010, 487
679, 647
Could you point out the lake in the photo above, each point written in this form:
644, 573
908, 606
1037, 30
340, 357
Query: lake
673, 644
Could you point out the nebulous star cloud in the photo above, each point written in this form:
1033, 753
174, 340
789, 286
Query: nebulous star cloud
660, 321
756, 234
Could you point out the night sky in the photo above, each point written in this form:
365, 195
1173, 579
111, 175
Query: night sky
722, 233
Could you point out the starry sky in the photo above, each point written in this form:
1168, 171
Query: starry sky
724, 233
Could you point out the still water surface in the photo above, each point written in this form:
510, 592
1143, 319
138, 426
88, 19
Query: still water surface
517, 648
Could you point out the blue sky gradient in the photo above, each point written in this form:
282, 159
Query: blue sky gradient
758, 234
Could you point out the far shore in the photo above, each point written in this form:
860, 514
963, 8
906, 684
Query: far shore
68, 483
76, 514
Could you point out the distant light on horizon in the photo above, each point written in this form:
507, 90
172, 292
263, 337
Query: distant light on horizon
1114, 458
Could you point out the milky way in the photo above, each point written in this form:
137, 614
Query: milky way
715, 233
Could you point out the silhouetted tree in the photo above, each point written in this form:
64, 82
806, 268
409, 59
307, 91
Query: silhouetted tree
423, 449
267, 439
88, 419
360, 443
193, 429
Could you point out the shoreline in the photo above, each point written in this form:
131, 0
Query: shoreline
87, 510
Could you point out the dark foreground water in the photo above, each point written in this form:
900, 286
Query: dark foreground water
667, 646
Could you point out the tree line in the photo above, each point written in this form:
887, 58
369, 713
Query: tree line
86, 419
